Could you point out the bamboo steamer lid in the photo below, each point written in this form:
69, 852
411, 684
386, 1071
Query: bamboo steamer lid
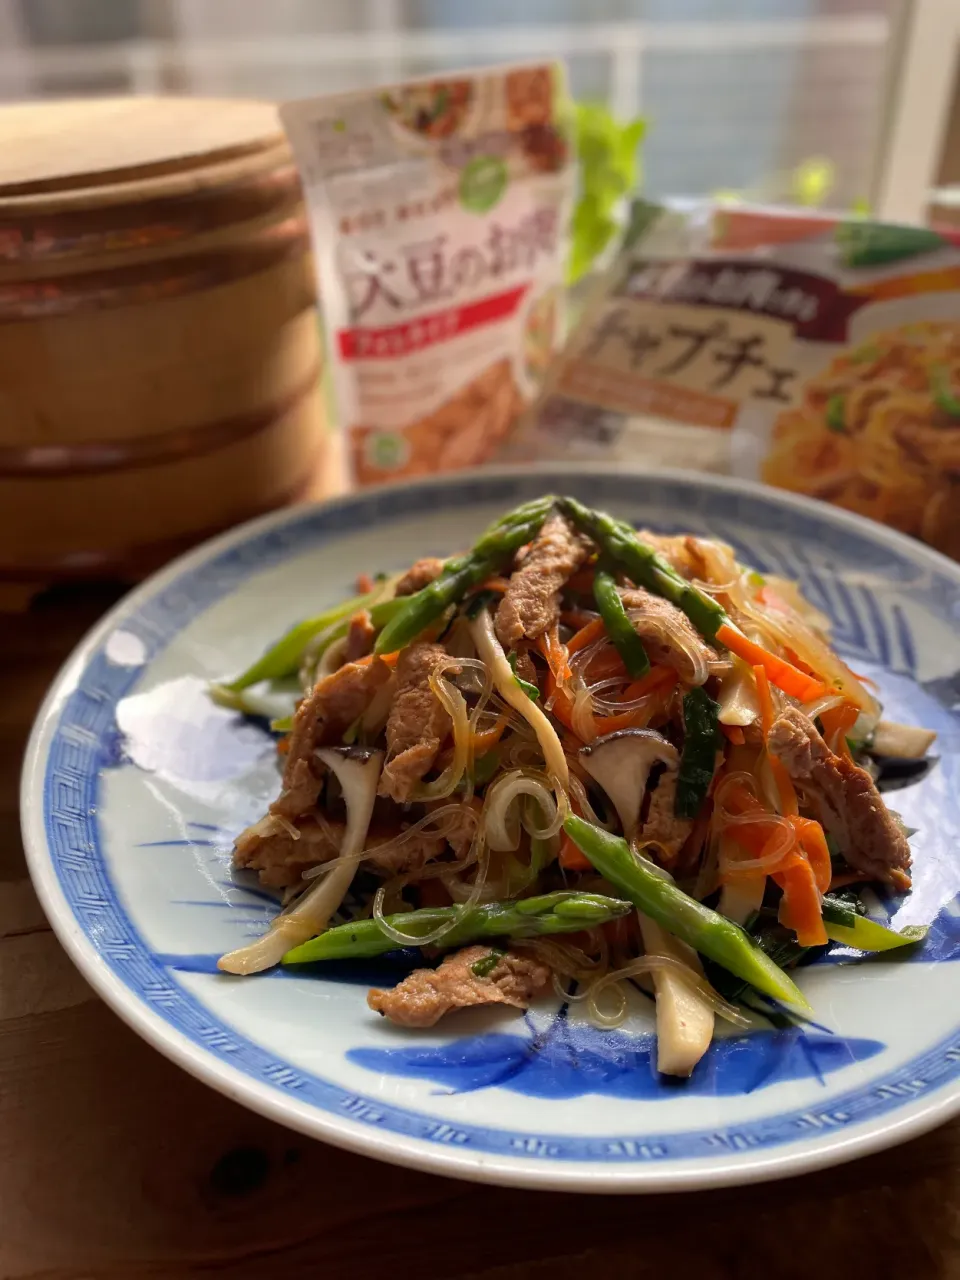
159, 346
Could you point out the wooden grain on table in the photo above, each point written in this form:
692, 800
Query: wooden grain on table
115, 1163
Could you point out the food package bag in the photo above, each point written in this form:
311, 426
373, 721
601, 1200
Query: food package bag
816, 353
439, 212
635, 382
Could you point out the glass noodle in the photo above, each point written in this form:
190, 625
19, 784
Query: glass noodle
727, 823
779, 628
570, 962
676, 637
502, 820
464, 724
611, 984
479, 854
596, 980
442, 823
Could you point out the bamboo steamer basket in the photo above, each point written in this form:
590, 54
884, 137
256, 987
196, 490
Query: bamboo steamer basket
159, 346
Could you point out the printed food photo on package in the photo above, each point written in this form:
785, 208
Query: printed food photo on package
439, 212
873, 423
878, 431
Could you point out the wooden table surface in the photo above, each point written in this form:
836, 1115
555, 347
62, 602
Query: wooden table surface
115, 1163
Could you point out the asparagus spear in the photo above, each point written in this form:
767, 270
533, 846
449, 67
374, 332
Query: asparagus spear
619, 627
776, 942
564, 912
619, 541
283, 658
711, 934
496, 545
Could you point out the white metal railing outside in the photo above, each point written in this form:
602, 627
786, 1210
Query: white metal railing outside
146, 62
384, 52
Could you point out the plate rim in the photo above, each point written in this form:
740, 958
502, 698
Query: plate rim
339, 1130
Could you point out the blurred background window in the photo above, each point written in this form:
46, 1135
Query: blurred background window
737, 92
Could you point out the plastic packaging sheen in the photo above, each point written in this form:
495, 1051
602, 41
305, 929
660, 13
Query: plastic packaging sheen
439, 210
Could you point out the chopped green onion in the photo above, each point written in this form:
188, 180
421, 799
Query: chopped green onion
836, 414
530, 689
698, 760
483, 967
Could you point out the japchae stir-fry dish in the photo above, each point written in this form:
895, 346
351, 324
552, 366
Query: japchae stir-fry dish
584, 758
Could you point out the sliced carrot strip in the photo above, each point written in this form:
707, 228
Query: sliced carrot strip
763, 846
571, 858
561, 703
613, 724
803, 873
814, 845
733, 733
780, 672
835, 725
800, 908
594, 630
799, 663
556, 653
488, 738
389, 659
753, 837
604, 665
658, 678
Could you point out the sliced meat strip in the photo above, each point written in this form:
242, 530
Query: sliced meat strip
360, 636
662, 827
425, 995
659, 623
418, 576
843, 797
282, 853
321, 719
418, 722
531, 602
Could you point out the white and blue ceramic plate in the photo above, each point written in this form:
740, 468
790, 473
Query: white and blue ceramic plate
135, 785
